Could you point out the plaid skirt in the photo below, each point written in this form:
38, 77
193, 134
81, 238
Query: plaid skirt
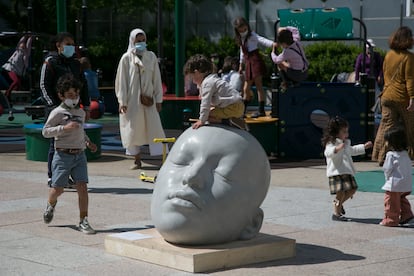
343, 183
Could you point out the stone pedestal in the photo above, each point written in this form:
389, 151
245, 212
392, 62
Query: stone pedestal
149, 246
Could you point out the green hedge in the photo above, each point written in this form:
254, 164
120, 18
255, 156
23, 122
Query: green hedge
326, 58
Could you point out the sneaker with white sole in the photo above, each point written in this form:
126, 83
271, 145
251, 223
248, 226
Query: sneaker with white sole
85, 227
48, 214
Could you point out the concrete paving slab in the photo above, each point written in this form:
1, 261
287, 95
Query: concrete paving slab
298, 206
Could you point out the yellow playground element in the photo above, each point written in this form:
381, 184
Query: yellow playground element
164, 141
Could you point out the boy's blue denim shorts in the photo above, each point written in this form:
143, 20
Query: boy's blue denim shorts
65, 164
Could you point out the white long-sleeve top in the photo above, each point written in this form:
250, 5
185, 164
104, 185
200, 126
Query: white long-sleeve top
398, 172
216, 92
253, 43
341, 162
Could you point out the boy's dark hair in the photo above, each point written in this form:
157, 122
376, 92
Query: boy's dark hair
62, 36
66, 82
200, 63
285, 36
331, 131
396, 138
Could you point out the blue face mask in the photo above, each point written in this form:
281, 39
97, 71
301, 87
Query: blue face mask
68, 50
141, 46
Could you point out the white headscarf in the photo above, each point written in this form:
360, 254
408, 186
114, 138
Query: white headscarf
132, 36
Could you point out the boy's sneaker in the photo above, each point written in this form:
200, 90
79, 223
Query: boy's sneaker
85, 227
48, 214
238, 122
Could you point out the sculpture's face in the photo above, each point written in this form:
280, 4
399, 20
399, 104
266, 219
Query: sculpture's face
210, 186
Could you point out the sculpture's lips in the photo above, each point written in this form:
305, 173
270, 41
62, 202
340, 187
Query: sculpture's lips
186, 199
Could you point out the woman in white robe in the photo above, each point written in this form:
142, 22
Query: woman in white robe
138, 73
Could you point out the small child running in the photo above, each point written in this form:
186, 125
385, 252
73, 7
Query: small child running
340, 168
65, 124
220, 103
398, 179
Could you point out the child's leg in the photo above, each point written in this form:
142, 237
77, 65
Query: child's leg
54, 193
340, 195
246, 90
83, 197
391, 209
260, 95
406, 212
348, 194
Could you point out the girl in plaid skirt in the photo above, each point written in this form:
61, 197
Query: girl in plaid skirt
340, 168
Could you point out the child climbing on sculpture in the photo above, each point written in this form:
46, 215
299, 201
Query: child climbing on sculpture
220, 103
340, 169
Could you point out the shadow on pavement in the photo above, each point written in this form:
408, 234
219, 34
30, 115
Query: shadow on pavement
365, 220
313, 254
119, 191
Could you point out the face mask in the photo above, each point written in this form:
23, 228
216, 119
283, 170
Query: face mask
141, 46
72, 102
68, 50
244, 34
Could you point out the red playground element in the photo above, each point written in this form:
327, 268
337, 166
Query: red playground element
97, 109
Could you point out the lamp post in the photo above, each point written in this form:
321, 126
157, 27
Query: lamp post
179, 47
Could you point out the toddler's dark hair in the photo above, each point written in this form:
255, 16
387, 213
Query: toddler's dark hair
396, 138
200, 63
67, 82
230, 63
331, 131
285, 36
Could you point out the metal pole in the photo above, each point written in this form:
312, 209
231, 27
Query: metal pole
401, 12
61, 15
30, 16
159, 27
246, 10
361, 8
179, 47
84, 23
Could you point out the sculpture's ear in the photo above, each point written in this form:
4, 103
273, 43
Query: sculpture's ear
253, 227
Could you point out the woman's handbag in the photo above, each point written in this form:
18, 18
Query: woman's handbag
146, 100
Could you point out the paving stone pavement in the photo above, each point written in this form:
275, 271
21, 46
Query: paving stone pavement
297, 206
